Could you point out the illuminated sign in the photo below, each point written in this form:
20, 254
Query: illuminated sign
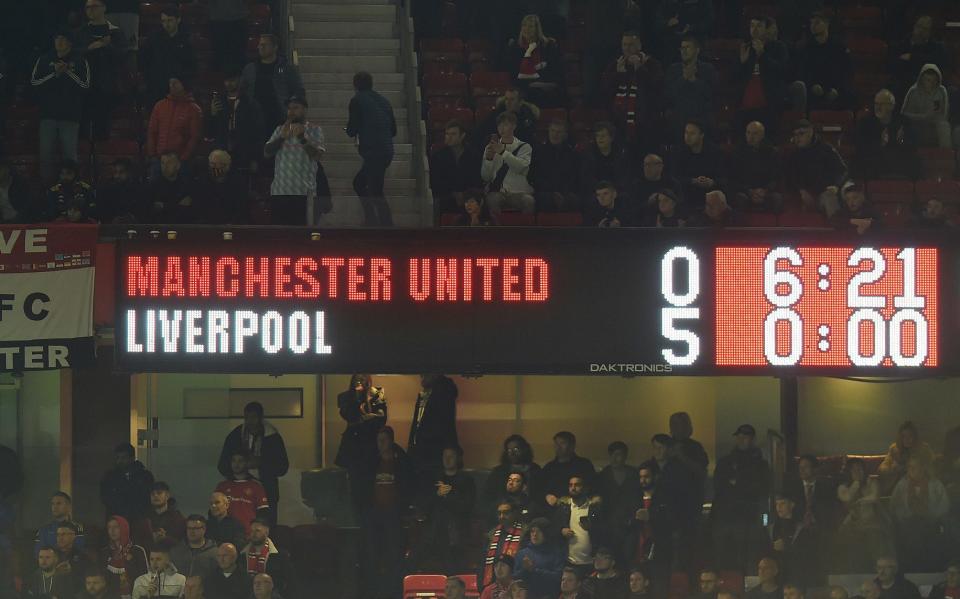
628, 302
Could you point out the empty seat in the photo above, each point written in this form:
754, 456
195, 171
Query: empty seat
866, 19
480, 50
449, 219
489, 83
938, 163
890, 191
802, 219
516, 219
437, 119
758, 219
424, 585
447, 49
445, 84
441, 67
560, 219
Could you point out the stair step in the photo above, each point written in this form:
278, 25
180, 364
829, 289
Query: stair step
329, 116
362, 46
340, 185
342, 167
347, 212
336, 134
352, 12
398, 203
340, 29
399, 149
347, 2
320, 99
346, 64
391, 80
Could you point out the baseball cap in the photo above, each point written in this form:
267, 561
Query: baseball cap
746, 429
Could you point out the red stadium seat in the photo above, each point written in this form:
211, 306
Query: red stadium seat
449, 219
802, 219
516, 219
470, 581
868, 53
424, 585
731, 581
679, 585
759, 219
445, 84
437, 118
489, 84
938, 163
446, 103
866, 19
484, 107
441, 67
480, 50
446, 49
548, 115
947, 191
890, 191
559, 219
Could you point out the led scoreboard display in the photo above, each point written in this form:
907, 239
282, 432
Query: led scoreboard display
620, 302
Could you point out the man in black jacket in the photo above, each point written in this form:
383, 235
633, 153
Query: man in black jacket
167, 54
816, 169
47, 582
762, 73
118, 198
268, 454
885, 143
103, 45
907, 58
824, 68
272, 81
222, 191
454, 168
697, 165
373, 123
235, 122
170, 197
603, 160
125, 489
221, 526
753, 172
229, 580
580, 520
554, 171
891, 582
447, 499
16, 202
556, 474
434, 424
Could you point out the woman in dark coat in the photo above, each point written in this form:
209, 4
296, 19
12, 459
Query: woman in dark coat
364, 408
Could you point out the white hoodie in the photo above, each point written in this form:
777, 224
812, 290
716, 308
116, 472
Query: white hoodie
171, 584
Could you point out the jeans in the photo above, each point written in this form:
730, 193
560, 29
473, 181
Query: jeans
50, 132
369, 187
498, 200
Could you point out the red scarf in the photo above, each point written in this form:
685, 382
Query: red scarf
504, 540
257, 559
120, 556
529, 65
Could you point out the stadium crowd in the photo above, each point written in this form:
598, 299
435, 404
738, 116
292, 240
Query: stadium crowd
563, 529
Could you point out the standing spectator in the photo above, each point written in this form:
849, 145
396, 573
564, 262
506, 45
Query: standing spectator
297, 145
230, 579
555, 170
272, 81
884, 142
165, 524
816, 496
824, 69
907, 445
448, 500
535, 64
891, 583
920, 505
517, 457
762, 74
503, 540
580, 518
124, 560
950, 587
908, 57
794, 544
169, 197
162, 581
248, 499
670, 509
566, 464
927, 106
607, 580
196, 555
540, 561
689, 88
635, 99
603, 160
604, 24
125, 488
697, 165
607, 211
502, 579
619, 485
266, 453
103, 45
16, 202
753, 172
741, 483
261, 556
47, 582
688, 451
70, 199
768, 571
434, 424
61, 508
166, 55
118, 200
864, 531
373, 124
364, 409
62, 79
816, 170
222, 191
512, 101
516, 491
235, 123
221, 526
453, 168
504, 169
643, 548
228, 30
678, 20
175, 125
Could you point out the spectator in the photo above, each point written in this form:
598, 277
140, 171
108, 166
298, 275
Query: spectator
679, 20
263, 587
856, 213
163, 580
223, 191
884, 143
364, 408
607, 212
248, 499
453, 168
196, 555
474, 212
816, 496
516, 491
124, 560
793, 590
637, 78
689, 88
434, 424
125, 488
754, 172
639, 583
891, 583
47, 582
103, 45
709, 585
619, 485
554, 171
540, 561
61, 508
673, 505
920, 505
927, 107
504, 539
455, 588
166, 55
668, 209
73, 560
517, 457
930, 215
535, 64
794, 543
908, 57
652, 179
95, 587
169, 197
768, 571
228, 32
502, 579
70, 199
864, 530
607, 580
571, 581
951, 586
61, 79
221, 526
297, 145
603, 160
164, 524
907, 445
261, 556
697, 165
642, 550
272, 80
869, 589
373, 124
741, 487
556, 474
512, 101
16, 203
448, 500
504, 169
688, 451
175, 124
604, 23
824, 69
229, 580
236, 122
580, 519
762, 74
817, 170
118, 199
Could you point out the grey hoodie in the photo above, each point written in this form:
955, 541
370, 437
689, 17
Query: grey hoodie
171, 584
921, 105
194, 562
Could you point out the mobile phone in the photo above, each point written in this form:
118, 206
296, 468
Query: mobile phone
765, 518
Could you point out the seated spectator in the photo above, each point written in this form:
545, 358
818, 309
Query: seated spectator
951, 586
506, 162
118, 199
794, 544
697, 165
910, 55
891, 584
166, 55
667, 207
47, 582
448, 499
824, 69
61, 79
175, 124
164, 524
455, 588
16, 203
652, 179
838, 592
163, 580
638, 584
865, 530
856, 213
762, 74
235, 122
540, 561
689, 89
556, 474
869, 589
229, 580
474, 212
125, 488
517, 457
221, 526
512, 101
580, 518
920, 505
793, 590
124, 561
607, 580
619, 485
248, 499
884, 143
555, 171
263, 587
74, 561
907, 445
603, 160
222, 192
271, 80
816, 170
709, 585
816, 496
196, 555
95, 587
927, 107
571, 581
261, 556
169, 197
930, 215
453, 168
678, 21
637, 78
297, 145
716, 212
70, 199
768, 571
535, 63
753, 172
608, 211
504, 539
502, 581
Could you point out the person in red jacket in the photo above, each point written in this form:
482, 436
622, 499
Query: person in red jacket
248, 499
175, 124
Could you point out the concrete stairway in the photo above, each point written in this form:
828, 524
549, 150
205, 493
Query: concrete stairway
332, 40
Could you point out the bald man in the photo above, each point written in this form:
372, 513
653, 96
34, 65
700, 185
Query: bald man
754, 172
228, 581
884, 142
222, 191
221, 527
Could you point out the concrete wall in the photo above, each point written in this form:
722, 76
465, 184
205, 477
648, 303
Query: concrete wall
40, 434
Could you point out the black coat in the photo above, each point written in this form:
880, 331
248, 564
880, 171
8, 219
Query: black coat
358, 444
774, 72
622, 500
273, 459
687, 165
495, 487
222, 202
373, 123
119, 201
875, 159
741, 485
753, 168
827, 65
60, 96
163, 57
825, 506
438, 426
449, 175
11, 473
816, 167
218, 586
555, 476
595, 167
228, 530
240, 131
554, 169
127, 492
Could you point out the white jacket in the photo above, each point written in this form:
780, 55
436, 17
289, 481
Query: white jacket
519, 164
171, 584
